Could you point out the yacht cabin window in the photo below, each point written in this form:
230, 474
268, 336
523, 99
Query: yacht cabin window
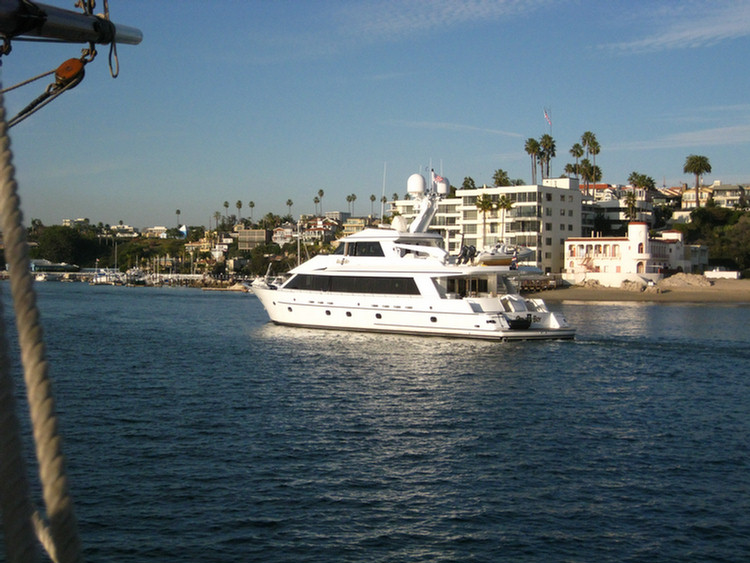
362, 248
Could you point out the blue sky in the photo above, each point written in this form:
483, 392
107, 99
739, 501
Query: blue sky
270, 101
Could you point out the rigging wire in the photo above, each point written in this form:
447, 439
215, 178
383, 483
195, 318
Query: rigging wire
71, 72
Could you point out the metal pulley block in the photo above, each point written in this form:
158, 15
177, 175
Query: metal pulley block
71, 70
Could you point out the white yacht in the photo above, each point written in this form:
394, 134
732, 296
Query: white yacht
401, 280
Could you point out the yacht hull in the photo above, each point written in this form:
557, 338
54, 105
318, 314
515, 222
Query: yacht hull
451, 318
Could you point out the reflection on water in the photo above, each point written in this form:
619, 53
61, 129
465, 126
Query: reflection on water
197, 431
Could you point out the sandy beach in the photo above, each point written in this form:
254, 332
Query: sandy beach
722, 291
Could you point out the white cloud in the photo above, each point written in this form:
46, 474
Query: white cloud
445, 126
690, 25
395, 19
718, 136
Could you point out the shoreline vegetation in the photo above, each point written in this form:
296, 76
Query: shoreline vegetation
681, 288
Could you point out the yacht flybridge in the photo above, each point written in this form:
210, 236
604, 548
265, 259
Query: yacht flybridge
401, 280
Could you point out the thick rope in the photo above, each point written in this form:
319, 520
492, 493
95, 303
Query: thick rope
15, 499
59, 506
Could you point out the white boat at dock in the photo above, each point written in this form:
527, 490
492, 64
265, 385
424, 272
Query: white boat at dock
400, 280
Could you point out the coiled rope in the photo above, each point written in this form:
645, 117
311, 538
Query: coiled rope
59, 535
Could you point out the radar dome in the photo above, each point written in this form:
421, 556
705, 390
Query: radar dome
443, 186
415, 184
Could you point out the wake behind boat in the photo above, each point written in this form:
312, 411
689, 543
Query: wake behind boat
400, 280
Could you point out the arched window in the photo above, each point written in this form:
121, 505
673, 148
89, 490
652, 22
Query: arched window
640, 248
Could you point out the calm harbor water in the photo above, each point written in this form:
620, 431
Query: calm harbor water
196, 431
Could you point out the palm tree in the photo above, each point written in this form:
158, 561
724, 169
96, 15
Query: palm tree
504, 204
321, 193
594, 149
571, 169
217, 216
251, 205
289, 204
501, 178
631, 209
373, 199
354, 198
238, 205
532, 149
698, 165
547, 144
484, 204
586, 140
586, 170
576, 151
226, 209
316, 201
395, 196
178, 217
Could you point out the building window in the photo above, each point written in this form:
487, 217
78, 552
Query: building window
548, 226
548, 241
549, 197
570, 212
562, 198
562, 213
548, 211
570, 227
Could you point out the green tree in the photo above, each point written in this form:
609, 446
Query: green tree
504, 204
588, 139
251, 205
372, 203
576, 151
226, 208
631, 206
270, 221
501, 178
547, 144
533, 150
641, 181
316, 201
321, 193
238, 205
468, 184
484, 204
178, 217
697, 165
64, 244
289, 204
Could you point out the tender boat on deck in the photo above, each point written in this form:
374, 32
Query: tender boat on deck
403, 281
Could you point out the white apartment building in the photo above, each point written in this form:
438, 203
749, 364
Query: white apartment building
541, 218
